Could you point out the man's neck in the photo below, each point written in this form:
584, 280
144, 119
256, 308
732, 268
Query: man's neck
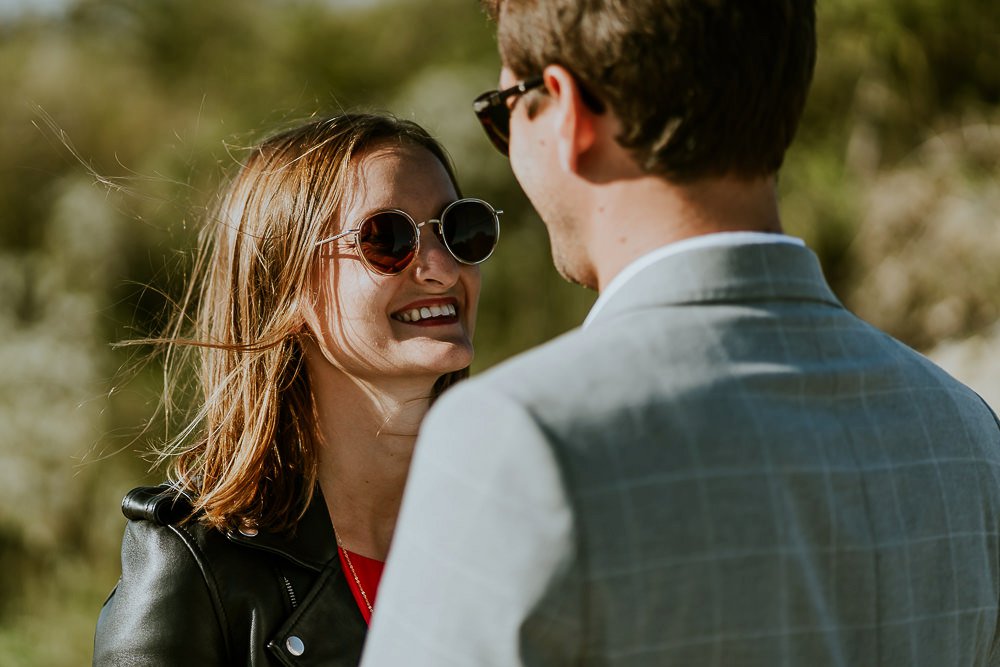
636, 216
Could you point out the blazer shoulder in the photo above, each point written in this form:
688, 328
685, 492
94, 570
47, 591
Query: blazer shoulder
547, 363
560, 369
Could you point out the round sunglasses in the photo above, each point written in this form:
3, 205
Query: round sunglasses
388, 240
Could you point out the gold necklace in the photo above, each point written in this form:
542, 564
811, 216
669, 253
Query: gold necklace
354, 574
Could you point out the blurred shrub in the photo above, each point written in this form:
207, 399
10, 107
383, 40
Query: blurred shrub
53, 353
976, 361
926, 259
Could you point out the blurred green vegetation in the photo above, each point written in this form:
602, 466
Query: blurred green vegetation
121, 117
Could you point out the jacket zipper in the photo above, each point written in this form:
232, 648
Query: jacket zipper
291, 592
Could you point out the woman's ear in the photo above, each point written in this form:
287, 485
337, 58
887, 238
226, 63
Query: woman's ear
306, 330
576, 123
306, 318
299, 329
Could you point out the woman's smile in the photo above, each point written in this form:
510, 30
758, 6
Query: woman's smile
429, 312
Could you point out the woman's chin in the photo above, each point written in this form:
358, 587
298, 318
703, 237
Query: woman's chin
454, 359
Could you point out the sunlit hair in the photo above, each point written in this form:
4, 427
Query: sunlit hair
248, 455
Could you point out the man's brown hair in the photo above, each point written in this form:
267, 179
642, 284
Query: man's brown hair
701, 87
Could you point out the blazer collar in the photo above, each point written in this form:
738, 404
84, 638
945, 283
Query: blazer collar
735, 274
312, 544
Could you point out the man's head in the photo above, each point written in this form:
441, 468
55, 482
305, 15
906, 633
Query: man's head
700, 88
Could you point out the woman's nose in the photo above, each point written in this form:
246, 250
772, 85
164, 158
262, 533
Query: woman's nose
434, 263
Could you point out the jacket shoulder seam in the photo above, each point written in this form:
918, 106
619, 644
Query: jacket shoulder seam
208, 574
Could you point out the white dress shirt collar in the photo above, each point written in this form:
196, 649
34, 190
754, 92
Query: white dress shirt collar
718, 239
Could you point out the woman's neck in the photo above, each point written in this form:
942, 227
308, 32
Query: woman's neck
368, 431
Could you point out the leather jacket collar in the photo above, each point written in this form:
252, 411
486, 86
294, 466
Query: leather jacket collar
312, 544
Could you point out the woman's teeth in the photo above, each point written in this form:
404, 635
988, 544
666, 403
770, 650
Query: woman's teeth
417, 314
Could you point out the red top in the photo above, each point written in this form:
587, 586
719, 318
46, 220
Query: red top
369, 573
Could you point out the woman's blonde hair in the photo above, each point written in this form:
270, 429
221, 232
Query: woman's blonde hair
248, 453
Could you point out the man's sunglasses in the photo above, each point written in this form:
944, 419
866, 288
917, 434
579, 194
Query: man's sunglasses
389, 239
493, 110
494, 113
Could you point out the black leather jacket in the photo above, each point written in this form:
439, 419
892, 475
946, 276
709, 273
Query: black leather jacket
191, 595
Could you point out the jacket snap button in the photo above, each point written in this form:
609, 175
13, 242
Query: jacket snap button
295, 646
248, 531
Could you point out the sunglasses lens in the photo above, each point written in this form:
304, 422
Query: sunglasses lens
388, 242
494, 116
470, 230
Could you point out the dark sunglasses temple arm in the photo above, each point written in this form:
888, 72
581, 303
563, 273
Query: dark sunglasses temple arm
522, 87
496, 97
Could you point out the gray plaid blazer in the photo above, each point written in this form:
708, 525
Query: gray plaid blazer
725, 468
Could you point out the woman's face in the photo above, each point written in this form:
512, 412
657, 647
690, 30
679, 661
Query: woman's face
357, 316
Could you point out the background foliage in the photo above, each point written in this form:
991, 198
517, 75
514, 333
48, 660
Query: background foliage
120, 117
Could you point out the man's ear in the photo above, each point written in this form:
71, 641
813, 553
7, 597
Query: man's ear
576, 123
